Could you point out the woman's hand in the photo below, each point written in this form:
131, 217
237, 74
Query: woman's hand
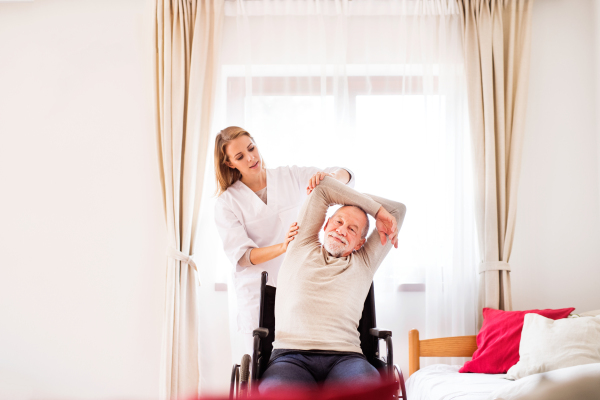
293, 231
260, 255
315, 180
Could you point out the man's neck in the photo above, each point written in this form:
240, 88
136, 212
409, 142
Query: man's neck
342, 256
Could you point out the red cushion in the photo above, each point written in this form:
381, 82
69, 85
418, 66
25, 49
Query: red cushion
499, 338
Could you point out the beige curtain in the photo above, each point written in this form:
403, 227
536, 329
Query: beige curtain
497, 41
187, 37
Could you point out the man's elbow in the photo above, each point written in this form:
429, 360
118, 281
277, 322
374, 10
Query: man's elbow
328, 181
399, 212
326, 184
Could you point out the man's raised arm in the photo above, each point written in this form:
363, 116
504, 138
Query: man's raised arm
314, 210
373, 251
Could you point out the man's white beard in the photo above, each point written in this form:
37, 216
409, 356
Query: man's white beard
333, 247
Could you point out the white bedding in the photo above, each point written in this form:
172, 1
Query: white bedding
532, 383
443, 382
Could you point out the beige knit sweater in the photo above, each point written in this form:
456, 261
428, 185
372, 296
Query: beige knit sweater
319, 297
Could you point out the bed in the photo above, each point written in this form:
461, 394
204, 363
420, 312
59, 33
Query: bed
444, 382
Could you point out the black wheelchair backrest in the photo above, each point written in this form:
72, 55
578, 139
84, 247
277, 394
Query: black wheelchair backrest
368, 343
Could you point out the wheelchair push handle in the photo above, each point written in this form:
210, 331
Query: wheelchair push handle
380, 333
261, 332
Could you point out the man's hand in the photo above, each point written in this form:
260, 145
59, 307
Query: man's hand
386, 225
315, 180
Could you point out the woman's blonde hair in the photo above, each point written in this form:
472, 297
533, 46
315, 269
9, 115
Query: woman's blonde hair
225, 175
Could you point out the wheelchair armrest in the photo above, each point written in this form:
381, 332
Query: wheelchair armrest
261, 332
380, 333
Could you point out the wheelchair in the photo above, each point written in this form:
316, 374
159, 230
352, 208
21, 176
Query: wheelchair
245, 376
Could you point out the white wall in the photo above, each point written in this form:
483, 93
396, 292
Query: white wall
556, 253
81, 220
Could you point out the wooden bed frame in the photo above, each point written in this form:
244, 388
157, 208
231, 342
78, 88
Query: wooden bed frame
457, 346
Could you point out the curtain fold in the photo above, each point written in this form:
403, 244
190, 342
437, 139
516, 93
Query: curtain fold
497, 42
187, 33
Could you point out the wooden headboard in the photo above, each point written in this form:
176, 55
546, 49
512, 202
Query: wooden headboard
457, 346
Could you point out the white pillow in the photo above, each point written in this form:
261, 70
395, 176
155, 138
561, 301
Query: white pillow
547, 344
589, 313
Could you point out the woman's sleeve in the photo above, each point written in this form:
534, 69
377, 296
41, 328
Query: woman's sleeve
352, 181
233, 234
303, 174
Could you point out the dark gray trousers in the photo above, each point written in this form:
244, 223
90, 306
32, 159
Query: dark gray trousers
308, 369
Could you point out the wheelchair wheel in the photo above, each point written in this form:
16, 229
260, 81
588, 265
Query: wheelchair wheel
235, 378
401, 393
244, 376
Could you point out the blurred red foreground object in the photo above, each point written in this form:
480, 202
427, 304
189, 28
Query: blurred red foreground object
380, 391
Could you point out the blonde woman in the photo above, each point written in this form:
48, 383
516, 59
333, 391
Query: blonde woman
255, 215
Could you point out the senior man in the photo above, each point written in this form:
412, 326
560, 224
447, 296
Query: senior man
322, 288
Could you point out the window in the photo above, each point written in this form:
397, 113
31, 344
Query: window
378, 87
395, 143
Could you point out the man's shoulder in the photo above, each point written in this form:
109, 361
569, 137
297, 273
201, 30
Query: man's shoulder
304, 250
360, 258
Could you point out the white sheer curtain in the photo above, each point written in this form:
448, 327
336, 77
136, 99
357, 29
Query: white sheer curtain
377, 86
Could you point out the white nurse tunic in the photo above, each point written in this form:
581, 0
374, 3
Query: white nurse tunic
244, 221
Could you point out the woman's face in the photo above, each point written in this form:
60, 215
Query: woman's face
243, 155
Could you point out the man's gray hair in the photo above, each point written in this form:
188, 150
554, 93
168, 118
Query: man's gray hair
365, 230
